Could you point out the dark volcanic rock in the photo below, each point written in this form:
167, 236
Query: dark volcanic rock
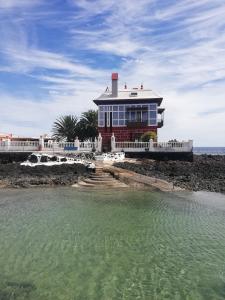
206, 172
14, 175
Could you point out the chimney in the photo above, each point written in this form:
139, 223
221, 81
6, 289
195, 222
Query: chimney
114, 84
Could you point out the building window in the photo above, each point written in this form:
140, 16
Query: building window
115, 122
138, 116
132, 116
144, 116
121, 115
152, 121
133, 94
152, 106
115, 115
152, 115
121, 122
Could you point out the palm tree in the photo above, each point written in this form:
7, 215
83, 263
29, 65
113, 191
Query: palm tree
66, 127
88, 125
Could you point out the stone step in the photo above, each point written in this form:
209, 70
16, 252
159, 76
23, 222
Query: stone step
101, 178
84, 184
100, 175
89, 181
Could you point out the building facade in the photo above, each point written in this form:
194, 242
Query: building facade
128, 113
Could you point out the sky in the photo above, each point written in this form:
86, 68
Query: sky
57, 56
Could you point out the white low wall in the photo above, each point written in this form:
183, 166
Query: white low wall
26, 146
153, 146
69, 147
8, 146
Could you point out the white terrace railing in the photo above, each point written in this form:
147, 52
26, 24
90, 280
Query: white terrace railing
23, 146
153, 146
54, 147
69, 147
26, 146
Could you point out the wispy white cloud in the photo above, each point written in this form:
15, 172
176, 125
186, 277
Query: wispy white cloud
175, 47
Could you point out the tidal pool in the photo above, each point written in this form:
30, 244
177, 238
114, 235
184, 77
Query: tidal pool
67, 244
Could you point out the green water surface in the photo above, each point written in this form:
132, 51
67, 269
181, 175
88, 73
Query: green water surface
67, 244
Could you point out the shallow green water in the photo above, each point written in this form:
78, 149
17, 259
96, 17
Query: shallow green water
65, 244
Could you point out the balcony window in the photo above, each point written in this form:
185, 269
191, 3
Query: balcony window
121, 115
153, 121
144, 116
115, 115
152, 106
101, 115
132, 116
153, 115
115, 122
138, 116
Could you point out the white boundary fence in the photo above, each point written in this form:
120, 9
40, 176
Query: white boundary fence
23, 146
29, 146
184, 146
69, 147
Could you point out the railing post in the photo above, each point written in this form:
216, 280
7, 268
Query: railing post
41, 143
77, 143
99, 148
8, 144
113, 143
96, 143
190, 142
151, 145
54, 146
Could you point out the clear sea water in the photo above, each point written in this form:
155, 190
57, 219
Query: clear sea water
63, 244
209, 150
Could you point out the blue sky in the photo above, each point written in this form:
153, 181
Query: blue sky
56, 56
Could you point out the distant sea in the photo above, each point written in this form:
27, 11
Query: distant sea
209, 150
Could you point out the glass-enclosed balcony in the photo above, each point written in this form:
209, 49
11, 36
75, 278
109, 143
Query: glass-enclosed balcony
138, 115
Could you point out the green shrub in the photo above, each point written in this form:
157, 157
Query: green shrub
148, 135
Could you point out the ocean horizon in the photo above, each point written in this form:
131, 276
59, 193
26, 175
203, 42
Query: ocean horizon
209, 150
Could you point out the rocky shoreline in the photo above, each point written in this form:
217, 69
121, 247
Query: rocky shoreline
205, 173
13, 175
